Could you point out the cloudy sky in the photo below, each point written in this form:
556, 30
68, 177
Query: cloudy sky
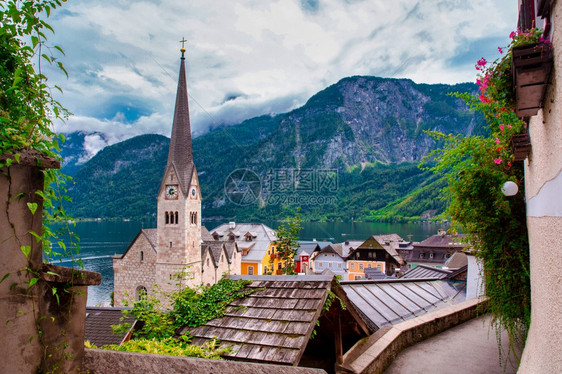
251, 57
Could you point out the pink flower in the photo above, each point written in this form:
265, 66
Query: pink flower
478, 81
482, 62
512, 35
509, 126
498, 161
501, 127
497, 141
500, 50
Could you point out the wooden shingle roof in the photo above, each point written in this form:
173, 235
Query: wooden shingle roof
273, 324
98, 329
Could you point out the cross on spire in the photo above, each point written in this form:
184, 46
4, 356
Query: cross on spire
182, 41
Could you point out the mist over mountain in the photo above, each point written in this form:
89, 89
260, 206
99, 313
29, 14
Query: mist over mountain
350, 152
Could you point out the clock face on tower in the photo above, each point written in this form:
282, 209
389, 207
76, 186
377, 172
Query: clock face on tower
171, 192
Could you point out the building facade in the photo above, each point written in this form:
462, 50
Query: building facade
543, 186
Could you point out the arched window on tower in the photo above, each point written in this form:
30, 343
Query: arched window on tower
176, 216
141, 293
167, 218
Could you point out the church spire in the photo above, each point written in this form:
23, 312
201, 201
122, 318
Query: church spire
180, 154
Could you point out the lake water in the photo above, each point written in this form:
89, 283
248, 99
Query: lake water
99, 241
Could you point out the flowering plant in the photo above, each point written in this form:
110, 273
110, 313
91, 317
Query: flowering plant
475, 168
497, 101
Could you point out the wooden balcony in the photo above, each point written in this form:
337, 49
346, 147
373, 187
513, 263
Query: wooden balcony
532, 65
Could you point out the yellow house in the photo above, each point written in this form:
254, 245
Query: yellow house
255, 240
272, 262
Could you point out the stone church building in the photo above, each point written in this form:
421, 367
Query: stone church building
179, 252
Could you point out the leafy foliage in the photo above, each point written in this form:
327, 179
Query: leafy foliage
195, 307
191, 307
476, 168
173, 347
28, 109
287, 243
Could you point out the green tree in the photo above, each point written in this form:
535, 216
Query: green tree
287, 242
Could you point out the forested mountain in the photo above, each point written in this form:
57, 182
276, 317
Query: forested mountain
350, 152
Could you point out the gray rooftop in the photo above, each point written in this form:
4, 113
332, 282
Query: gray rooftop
387, 302
426, 272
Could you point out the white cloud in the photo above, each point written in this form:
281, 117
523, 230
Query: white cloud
272, 55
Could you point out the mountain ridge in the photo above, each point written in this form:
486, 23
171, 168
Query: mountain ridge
364, 129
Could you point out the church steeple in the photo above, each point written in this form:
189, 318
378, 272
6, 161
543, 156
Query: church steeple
180, 154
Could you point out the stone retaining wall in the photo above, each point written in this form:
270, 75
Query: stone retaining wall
99, 361
375, 353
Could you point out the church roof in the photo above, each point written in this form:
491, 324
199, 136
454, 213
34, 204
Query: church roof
180, 154
152, 236
206, 235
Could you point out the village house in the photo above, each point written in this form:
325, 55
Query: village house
256, 242
303, 256
371, 254
433, 251
174, 254
330, 258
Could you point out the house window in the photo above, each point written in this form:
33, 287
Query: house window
360, 266
265, 269
141, 255
279, 266
167, 218
431, 255
330, 265
369, 266
422, 255
250, 270
141, 293
357, 277
339, 266
356, 254
352, 266
320, 264
370, 255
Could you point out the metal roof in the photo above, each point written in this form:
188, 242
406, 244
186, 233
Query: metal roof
386, 302
426, 272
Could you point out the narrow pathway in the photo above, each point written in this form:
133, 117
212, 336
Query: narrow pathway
470, 348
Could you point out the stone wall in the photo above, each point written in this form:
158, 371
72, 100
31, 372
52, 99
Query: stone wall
543, 187
99, 361
130, 272
41, 323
